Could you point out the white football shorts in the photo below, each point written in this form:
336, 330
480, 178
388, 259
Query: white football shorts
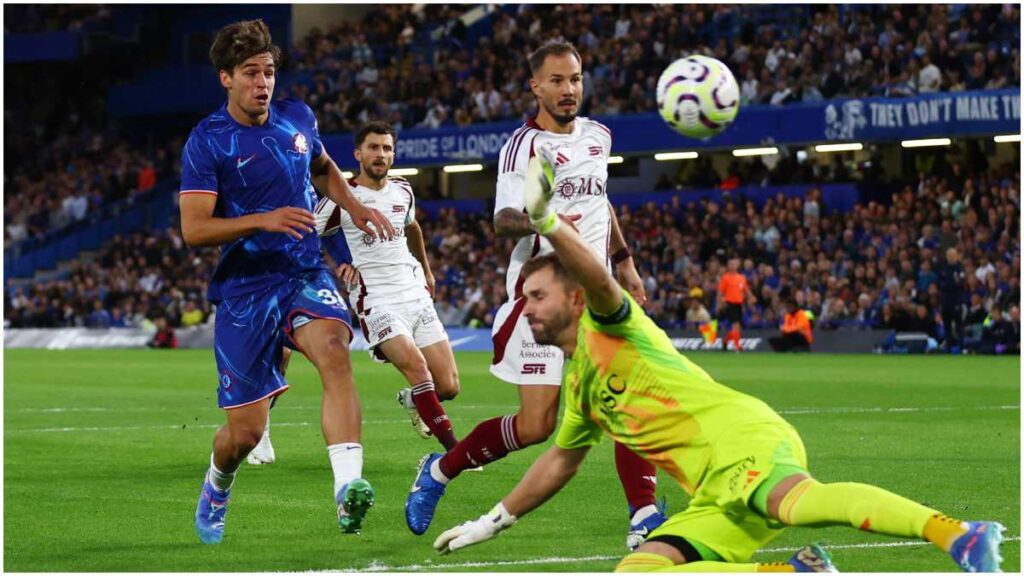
517, 358
416, 319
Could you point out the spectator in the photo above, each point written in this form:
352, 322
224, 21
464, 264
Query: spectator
165, 336
998, 335
797, 334
192, 315
99, 317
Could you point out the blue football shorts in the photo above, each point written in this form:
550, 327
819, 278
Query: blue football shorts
250, 331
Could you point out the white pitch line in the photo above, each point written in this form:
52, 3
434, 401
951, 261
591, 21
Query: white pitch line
376, 567
791, 411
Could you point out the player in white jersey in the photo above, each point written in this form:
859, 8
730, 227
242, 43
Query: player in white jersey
394, 286
581, 147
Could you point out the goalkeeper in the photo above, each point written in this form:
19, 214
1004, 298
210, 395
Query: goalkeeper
744, 466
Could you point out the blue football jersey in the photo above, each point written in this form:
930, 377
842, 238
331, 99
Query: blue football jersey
254, 169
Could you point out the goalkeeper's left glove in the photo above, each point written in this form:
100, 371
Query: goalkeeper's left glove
475, 531
539, 187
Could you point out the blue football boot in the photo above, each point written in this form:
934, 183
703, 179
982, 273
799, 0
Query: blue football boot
812, 558
978, 549
423, 497
638, 532
213, 506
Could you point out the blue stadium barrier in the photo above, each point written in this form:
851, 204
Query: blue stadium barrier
976, 113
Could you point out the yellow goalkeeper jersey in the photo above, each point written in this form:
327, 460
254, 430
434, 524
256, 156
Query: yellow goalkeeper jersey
627, 379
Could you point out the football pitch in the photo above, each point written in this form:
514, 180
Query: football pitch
104, 453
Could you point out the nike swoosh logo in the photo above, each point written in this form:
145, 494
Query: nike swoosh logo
415, 488
242, 163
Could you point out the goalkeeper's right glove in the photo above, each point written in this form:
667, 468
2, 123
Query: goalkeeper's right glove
475, 531
539, 187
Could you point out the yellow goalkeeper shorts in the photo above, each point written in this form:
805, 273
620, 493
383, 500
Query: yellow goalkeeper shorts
720, 516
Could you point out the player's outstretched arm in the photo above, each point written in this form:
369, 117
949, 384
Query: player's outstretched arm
602, 293
199, 227
549, 474
339, 192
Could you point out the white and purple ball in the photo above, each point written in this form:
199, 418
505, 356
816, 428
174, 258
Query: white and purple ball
698, 96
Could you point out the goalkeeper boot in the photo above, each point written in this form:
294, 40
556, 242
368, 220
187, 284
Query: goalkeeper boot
977, 550
210, 513
423, 497
640, 528
354, 500
812, 558
405, 399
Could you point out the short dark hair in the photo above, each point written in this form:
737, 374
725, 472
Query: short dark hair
549, 261
375, 127
236, 43
551, 48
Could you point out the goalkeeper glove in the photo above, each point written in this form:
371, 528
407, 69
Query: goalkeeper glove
475, 531
539, 187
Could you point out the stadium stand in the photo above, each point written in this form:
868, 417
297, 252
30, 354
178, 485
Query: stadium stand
358, 71
874, 265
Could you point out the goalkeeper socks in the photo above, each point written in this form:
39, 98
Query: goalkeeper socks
220, 480
811, 503
428, 406
491, 440
638, 477
347, 463
645, 562
942, 531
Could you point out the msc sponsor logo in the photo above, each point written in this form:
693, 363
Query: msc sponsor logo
582, 186
614, 386
534, 369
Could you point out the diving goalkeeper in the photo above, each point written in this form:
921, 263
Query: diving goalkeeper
744, 466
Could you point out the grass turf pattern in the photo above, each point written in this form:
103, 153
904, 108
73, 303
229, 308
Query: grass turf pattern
104, 454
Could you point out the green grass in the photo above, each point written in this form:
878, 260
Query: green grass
104, 454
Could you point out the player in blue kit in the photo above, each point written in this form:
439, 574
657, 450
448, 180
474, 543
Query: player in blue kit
246, 187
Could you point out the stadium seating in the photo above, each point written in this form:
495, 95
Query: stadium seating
81, 192
351, 74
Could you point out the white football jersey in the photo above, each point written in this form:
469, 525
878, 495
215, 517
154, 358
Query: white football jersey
389, 271
581, 179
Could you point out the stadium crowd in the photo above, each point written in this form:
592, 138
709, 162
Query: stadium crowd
370, 69
65, 159
880, 265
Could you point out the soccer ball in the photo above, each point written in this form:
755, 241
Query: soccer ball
698, 96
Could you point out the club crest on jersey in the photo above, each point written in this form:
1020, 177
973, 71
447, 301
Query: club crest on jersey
299, 141
368, 239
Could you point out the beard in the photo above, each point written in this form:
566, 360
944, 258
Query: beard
376, 172
562, 119
547, 332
